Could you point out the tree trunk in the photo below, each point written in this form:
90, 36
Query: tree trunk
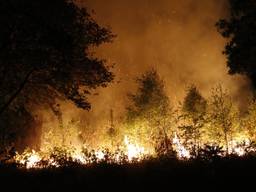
231, 140
3, 138
166, 142
58, 114
226, 140
165, 139
17, 92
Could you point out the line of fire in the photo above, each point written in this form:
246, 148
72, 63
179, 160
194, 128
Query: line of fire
85, 83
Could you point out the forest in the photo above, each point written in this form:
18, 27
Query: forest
50, 74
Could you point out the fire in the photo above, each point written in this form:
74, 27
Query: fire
99, 155
133, 150
182, 152
29, 159
241, 148
79, 157
239, 151
130, 150
32, 159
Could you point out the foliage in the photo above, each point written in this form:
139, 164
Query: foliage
44, 55
223, 117
210, 152
149, 114
66, 136
194, 104
61, 156
239, 29
193, 117
249, 121
45, 47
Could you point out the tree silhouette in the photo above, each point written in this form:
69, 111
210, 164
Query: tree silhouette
150, 110
44, 52
194, 117
239, 29
44, 56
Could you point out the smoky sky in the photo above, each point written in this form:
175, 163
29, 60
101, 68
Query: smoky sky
177, 37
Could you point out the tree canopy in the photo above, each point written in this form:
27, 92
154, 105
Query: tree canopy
194, 104
45, 55
193, 118
150, 97
44, 52
149, 113
240, 31
224, 117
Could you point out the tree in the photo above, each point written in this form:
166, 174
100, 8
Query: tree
193, 117
239, 29
149, 112
44, 51
44, 55
223, 117
249, 121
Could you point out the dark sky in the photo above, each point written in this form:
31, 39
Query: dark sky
177, 37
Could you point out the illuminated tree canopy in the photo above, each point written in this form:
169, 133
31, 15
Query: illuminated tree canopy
150, 112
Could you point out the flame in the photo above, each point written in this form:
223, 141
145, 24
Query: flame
29, 159
77, 156
241, 147
239, 151
99, 155
32, 159
133, 150
182, 152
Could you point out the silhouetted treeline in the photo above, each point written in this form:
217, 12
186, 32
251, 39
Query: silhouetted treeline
239, 29
44, 57
156, 174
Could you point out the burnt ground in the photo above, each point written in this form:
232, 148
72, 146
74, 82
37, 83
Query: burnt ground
151, 175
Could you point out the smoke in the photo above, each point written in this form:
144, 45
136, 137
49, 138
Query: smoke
177, 37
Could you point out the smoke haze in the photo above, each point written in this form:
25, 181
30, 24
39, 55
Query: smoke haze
177, 37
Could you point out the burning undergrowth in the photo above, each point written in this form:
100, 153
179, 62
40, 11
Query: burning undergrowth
129, 153
198, 127
68, 155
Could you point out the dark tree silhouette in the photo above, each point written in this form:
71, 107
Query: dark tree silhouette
44, 52
44, 55
240, 30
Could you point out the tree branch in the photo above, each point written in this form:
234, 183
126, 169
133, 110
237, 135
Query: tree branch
17, 92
